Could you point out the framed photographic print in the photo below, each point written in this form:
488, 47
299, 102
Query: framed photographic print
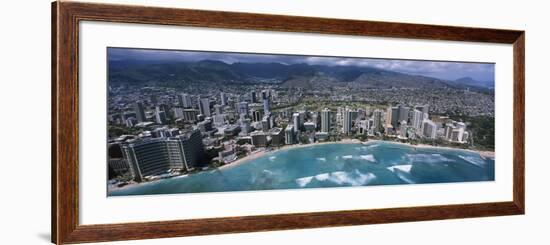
175, 122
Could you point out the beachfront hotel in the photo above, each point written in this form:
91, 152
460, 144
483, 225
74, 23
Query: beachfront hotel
163, 154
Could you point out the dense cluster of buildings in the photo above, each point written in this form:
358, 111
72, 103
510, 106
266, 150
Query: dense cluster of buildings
172, 134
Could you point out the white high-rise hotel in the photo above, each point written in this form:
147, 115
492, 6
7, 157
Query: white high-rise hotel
429, 128
456, 131
417, 118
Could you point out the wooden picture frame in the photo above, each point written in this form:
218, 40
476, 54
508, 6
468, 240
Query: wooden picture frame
65, 121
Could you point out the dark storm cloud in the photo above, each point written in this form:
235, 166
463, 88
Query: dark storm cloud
438, 69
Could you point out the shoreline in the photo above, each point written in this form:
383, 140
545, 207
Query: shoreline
260, 153
424, 146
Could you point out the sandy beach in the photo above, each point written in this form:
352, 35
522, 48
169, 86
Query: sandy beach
260, 153
490, 154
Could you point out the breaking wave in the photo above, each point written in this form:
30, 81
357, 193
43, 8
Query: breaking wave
473, 160
369, 158
405, 168
354, 178
427, 158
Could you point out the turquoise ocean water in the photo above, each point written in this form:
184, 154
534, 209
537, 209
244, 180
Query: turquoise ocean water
331, 165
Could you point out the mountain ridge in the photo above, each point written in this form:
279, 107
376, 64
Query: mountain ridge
142, 71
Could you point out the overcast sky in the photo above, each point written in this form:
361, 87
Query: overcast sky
439, 69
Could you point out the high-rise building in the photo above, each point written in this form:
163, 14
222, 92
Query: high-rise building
340, 116
167, 111
178, 112
388, 117
267, 108
417, 118
190, 115
265, 101
265, 123
257, 115
429, 129
185, 100
289, 135
223, 98
259, 138
325, 120
242, 108
403, 114
277, 136
392, 116
361, 114
204, 107
370, 123
403, 129
346, 127
118, 165
157, 156
270, 120
377, 120
193, 148
160, 116
316, 119
253, 98
140, 112
361, 126
354, 115
456, 133
449, 131
303, 114
296, 121
245, 126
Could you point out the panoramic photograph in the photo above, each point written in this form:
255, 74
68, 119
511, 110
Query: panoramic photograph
183, 121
